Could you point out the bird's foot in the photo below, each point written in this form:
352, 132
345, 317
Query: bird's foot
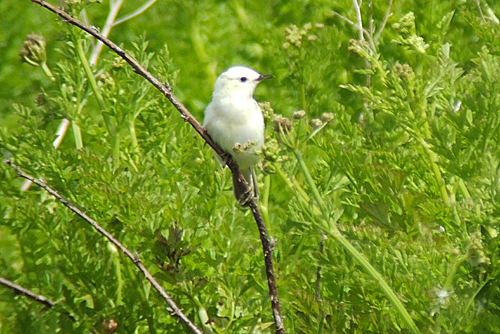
246, 197
225, 157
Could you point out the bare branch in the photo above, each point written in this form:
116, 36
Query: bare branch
17, 289
114, 8
478, 4
25, 292
317, 290
268, 260
344, 18
365, 32
358, 16
166, 90
388, 14
163, 88
371, 29
139, 11
172, 307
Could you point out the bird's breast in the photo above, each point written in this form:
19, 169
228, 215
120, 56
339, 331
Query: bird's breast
232, 121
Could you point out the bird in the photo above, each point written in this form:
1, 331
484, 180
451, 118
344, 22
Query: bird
235, 122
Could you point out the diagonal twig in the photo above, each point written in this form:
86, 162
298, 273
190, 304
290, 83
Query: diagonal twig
139, 11
31, 295
114, 8
172, 307
166, 90
388, 14
340, 16
25, 292
358, 17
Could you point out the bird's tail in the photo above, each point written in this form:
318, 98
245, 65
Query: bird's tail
241, 195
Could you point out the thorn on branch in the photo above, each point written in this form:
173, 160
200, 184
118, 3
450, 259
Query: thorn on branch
272, 243
136, 258
168, 87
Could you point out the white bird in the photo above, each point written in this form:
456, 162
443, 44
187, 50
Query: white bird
235, 122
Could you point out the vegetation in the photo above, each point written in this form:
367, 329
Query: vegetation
379, 185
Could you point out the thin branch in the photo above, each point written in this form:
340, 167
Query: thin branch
17, 289
25, 292
362, 32
172, 307
388, 14
317, 290
268, 260
358, 16
478, 4
114, 8
371, 28
166, 90
344, 18
365, 32
139, 11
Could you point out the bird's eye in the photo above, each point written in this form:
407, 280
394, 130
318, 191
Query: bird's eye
243, 79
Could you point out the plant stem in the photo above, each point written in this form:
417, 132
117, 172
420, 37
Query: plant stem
435, 170
203, 316
447, 286
133, 136
330, 227
115, 142
114, 8
47, 71
310, 181
303, 96
264, 200
389, 293
172, 307
78, 135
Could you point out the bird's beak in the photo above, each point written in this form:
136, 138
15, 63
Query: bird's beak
264, 77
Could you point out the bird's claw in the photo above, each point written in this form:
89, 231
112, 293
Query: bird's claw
245, 198
225, 159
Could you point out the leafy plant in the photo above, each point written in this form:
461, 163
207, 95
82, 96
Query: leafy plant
379, 184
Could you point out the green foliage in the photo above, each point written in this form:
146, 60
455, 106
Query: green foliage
389, 144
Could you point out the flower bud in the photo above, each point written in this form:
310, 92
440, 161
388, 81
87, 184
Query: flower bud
105, 79
404, 71
327, 116
118, 62
238, 148
282, 124
299, 114
109, 326
359, 47
271, 150
249, 144
33, 50
316, 123
406, 25
267, 110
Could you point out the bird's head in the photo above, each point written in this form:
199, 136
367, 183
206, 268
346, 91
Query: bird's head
238, 81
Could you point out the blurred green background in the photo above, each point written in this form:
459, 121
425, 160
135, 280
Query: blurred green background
407, 168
